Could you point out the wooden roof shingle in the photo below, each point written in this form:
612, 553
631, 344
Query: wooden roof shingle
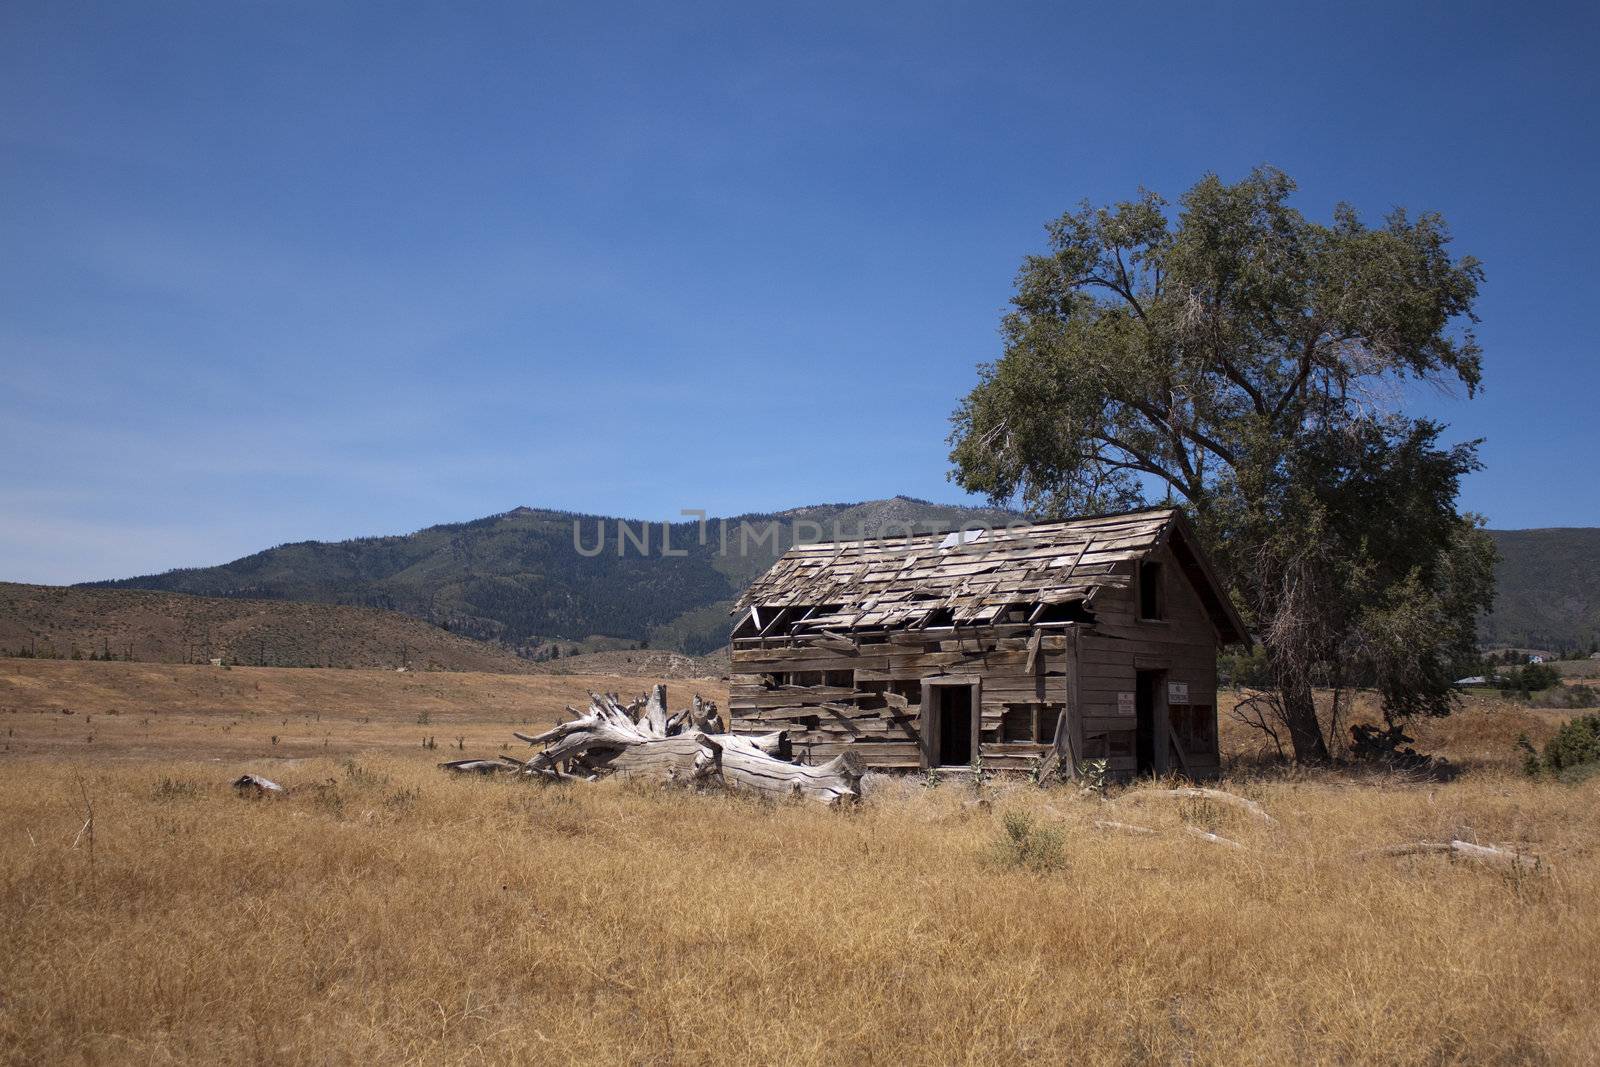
903, 581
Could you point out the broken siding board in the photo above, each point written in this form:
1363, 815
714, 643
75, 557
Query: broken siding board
870, 751
778, 666
788, 695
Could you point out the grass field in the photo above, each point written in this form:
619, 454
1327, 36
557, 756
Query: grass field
386, 910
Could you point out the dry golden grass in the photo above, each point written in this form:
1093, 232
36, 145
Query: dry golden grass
100, 711
387, 911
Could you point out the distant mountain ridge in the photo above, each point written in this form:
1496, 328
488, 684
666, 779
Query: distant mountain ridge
1547, 589
526, 576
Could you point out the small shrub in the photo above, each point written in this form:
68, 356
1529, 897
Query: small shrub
1572, 754
1530, 755
1096, 775
1024, 843
980, 775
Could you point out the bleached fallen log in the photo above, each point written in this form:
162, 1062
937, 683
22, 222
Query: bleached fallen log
1196, 793
735, 767
477, 766
256, 785
1112, 826
1215, 839
606, 729
645, 740
1456, 847
736, 762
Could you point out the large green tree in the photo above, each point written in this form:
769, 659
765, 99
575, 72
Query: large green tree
1252, 363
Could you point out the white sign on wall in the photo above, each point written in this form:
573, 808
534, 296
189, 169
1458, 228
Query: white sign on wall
1125, 703
1177, 692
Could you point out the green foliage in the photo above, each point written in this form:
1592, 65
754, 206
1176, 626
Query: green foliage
1095, 775
1528, 678
1024, 843
1413, 635
1249, 669
980, 774
1234, 357
1573, 753
1530, 755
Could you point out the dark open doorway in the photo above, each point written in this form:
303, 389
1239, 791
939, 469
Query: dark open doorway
953, 705
1144, 749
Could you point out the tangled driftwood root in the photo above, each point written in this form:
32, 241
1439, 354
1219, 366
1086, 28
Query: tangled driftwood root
644, 740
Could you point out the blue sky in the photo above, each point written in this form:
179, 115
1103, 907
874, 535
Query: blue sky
275, 272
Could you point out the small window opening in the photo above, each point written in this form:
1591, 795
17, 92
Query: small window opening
1150, 598
839, 679
1017, 723
1045, 731
912, 691
1031, 723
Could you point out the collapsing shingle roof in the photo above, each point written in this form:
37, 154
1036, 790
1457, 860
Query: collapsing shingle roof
971, 578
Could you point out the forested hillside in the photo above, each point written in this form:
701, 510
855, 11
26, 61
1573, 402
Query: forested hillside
525, 577
1547, 589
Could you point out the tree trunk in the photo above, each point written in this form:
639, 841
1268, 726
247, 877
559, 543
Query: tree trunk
1300, 716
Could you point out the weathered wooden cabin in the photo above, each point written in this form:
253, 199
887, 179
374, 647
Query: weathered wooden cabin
1090, 639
